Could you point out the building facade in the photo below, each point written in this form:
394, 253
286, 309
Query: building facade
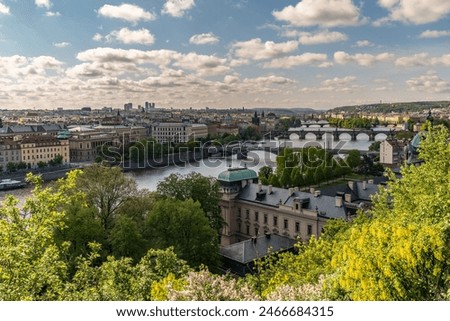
178, 132
36, 149
9, 152
250, 209
392, 152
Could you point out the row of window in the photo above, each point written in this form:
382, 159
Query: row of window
26, 151
274, 220
49, 156
256, 229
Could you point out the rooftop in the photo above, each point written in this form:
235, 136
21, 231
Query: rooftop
237, 174
249, 250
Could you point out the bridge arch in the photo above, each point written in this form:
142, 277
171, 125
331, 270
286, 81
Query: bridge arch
380, 137
363, 137
345, 136
310, 136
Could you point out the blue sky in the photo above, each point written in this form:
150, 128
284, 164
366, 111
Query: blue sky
222, 53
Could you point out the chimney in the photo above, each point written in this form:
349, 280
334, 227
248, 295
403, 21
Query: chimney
370, 181
259, 187
351, 184
317, 193
296, 189
339, 202
270, 189
348, 198
311, 190
364, 185
290, 191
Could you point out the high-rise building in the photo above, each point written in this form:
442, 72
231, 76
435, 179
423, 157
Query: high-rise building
128, 106
149, 105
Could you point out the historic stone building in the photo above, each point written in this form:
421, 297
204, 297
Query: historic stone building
250, 209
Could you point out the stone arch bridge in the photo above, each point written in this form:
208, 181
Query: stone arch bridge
336, 132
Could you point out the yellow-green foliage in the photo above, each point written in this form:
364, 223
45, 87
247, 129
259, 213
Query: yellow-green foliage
402, 253
398, 251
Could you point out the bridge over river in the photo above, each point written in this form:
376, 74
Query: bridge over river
337, 133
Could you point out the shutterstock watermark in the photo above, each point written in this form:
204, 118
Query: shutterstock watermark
152, 154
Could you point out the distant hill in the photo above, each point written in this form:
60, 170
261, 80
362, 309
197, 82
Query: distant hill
395, 107
287, 111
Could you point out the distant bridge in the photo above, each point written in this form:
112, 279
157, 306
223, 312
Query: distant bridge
336, 132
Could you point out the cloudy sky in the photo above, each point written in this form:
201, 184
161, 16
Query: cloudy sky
222, 53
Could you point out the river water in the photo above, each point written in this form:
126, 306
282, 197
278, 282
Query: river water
256, 159
149, 178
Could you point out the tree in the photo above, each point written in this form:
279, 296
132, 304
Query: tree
353, 158
127, 240
264, 174
375, 146
204, 190
183, 225
42, 164
106, 189
11, 167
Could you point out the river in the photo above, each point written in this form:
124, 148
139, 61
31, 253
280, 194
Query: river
149, 178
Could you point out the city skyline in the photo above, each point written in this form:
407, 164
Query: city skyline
245, 53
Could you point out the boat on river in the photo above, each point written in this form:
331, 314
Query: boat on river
9, 184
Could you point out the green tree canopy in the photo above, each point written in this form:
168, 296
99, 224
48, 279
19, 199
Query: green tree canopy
197, 187
106, 189
183, 226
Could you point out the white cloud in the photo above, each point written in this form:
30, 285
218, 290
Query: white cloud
230, 79
52, 14
43, 3
338, 82
423, 60
361, 59
204, 39
304, 59
417, 60
308, 38
431, 83
416, 11
364, 43
61, 44
255, 49
97, 37
107, 55
177, 8
203, 65
435, 34
269, 80
127, 12
4, 9
127, 36
20, 66
327, 13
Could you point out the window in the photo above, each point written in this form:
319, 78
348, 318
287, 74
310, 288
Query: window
286, 224
248, 229
239, 212
275, 221
256, 216
309, 229
297, 227
296, 206
256, 231
247, 214
265, 218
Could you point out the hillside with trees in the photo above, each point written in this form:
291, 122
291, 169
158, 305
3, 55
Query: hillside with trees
85, 240
402, 107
